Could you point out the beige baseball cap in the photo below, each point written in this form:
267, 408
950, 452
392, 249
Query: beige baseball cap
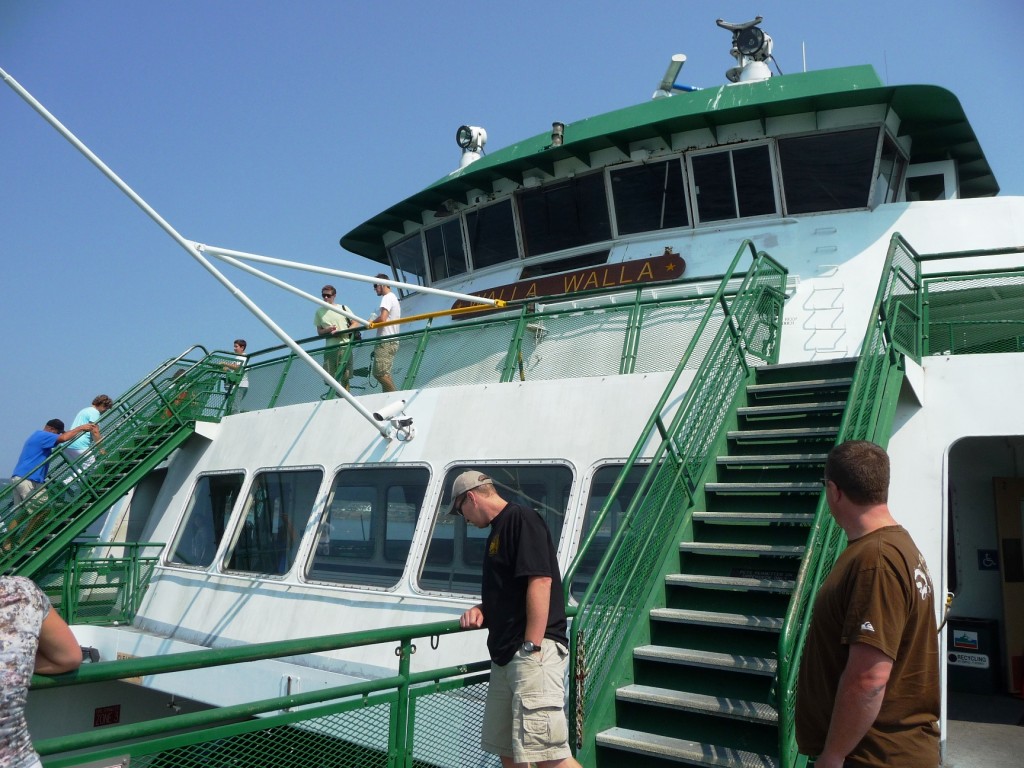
467, 481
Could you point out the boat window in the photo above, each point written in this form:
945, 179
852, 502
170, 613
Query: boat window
828, 172
276, 514
206, 519
564, 214
649, 197
407, 261
492, 235
446, 253
733, 184
600, 489
891, 167
455, 554
367, 528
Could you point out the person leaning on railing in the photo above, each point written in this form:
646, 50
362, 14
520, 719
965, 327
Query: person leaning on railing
32, 467
33, 639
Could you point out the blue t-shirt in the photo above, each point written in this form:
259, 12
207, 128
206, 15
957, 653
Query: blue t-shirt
89, 415
37, 449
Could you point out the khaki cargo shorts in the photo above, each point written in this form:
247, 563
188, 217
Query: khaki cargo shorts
524, 717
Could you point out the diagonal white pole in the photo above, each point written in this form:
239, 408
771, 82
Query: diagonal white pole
195, 251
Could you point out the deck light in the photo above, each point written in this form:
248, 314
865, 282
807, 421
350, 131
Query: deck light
471, 138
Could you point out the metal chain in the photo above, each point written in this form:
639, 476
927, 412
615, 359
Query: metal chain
580, 680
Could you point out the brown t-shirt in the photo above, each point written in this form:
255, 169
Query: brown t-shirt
879, 593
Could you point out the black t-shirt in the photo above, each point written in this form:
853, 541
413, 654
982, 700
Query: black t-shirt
519, 546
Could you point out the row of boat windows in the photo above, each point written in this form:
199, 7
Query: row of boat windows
364, 533
787, 176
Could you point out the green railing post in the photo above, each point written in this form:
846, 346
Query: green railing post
281, 379
631, 342
417, 357
514, 356
397, 757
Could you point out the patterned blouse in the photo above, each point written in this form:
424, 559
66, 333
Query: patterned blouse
23, 606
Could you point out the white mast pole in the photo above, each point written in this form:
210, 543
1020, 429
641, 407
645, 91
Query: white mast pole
195, 251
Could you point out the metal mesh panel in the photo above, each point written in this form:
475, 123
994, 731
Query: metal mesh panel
353, 739
975, 314
454, 355
446, 727
575, 344
665, 332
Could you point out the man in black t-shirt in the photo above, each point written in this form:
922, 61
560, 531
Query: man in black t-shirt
522, 609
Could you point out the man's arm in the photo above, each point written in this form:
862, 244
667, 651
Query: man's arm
71, 434
858, 700
538, 601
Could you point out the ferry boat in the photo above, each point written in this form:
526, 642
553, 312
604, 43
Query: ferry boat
649, 326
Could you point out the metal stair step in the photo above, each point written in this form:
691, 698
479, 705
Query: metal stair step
758, 487
737, 709
806, 433
714, 618
783, 459
780, 586
725, 548
681, 750
790, 408
712, 660
754, 517
844, 382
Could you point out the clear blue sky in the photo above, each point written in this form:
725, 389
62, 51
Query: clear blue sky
276, 127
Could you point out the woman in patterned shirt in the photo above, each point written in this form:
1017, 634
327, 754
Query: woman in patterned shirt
33, 638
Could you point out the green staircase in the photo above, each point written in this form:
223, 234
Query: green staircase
702, 688
143, 428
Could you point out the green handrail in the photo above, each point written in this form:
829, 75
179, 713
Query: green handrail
610, 606
868, 415
151, 738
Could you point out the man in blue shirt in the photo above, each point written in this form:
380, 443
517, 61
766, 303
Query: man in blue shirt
33, 464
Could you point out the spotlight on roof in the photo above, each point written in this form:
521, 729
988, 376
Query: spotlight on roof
471, 138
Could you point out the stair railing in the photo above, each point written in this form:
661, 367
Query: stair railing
894, 330
747, 328
143, 426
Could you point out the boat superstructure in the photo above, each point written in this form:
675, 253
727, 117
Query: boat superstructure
688, 302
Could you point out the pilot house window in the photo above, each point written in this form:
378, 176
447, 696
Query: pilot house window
564, 214
446, 253
649, 197
828, 172
733, 184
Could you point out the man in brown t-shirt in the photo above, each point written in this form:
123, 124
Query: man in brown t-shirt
868, 693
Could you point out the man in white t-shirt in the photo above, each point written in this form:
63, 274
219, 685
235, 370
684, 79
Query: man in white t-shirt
384, 353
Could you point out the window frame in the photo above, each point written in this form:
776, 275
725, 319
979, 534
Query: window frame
729, 149
184, 520
379, 518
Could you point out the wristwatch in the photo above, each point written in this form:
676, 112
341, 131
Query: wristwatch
529, 647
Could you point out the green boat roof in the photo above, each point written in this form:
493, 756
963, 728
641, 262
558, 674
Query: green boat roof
930, 115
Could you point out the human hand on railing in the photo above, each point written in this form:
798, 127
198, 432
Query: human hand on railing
472, 619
